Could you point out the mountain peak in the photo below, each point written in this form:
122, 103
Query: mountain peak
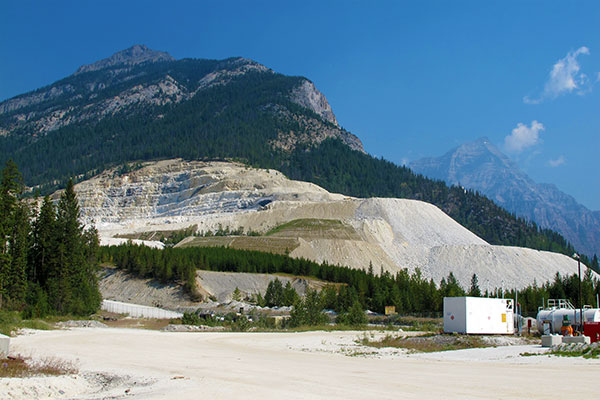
459, 165
136, 54
481, 166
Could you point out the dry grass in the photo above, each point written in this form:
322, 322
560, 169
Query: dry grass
427, 343
315, 229
271, 245
282, 239
21, 367
114, 320
155, 235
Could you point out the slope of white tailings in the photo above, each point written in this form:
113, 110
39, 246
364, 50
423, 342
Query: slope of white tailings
416, 228
416, 223
425, 237
497, 266
390, 234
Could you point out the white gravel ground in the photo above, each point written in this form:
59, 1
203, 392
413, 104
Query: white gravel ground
138, 364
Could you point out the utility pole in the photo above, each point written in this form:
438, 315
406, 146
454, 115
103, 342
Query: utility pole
578, 258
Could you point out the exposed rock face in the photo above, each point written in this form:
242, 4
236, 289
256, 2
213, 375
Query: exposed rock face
229, 70
479, 165
121, 84
307, 95
176, 189
40, 95
134, 55
389, 233
310, 131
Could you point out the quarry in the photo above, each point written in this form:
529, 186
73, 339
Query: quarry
225, 204
211, 229
186, 204
302, 220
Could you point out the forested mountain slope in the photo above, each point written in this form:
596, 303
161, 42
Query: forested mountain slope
141, 104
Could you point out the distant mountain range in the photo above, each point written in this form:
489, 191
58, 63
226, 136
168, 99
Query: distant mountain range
481, 166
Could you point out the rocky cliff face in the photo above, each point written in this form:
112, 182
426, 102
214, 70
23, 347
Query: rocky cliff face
307, 95
137, 54
138, 80
392, 234
481, 166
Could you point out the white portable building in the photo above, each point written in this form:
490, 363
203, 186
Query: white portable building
478, 315
4, 342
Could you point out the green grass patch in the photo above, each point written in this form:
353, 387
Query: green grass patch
11, 321
586, 352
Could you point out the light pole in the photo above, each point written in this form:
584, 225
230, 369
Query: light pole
578, 258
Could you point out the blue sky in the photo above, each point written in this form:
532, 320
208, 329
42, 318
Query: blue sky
411, 79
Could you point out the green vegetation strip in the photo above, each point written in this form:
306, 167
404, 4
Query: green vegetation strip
408, 292
11, 321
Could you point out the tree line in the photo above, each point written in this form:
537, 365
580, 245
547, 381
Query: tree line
408, 292
48, 261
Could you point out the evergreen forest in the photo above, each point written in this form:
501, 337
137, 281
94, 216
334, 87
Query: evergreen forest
410, 293
239, 121
48, 262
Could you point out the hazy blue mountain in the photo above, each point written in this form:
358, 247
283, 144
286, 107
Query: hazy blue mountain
481, 166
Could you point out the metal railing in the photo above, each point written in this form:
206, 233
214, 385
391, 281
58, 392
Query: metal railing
559, 303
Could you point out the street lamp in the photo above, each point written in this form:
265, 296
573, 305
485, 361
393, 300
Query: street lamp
578, 258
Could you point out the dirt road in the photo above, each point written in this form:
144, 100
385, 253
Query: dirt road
311, 365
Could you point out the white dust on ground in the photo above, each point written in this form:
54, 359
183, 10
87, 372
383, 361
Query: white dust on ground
320, 365
393, 234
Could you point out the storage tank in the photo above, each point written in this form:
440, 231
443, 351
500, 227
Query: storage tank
556, 316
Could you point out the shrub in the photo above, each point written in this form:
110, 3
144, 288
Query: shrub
355, 316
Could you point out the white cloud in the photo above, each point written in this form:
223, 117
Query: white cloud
523, 136
558, 162
565, 77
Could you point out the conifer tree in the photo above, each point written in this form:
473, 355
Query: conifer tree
11, 187
290, 296
18, 251
75, 289
474, 290
45, 245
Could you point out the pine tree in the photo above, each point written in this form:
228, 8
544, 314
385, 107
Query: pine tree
76, 288
43, 263
474, 291
274, 293
289, 296
308, 311
354, 317
11, 188
18, 251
